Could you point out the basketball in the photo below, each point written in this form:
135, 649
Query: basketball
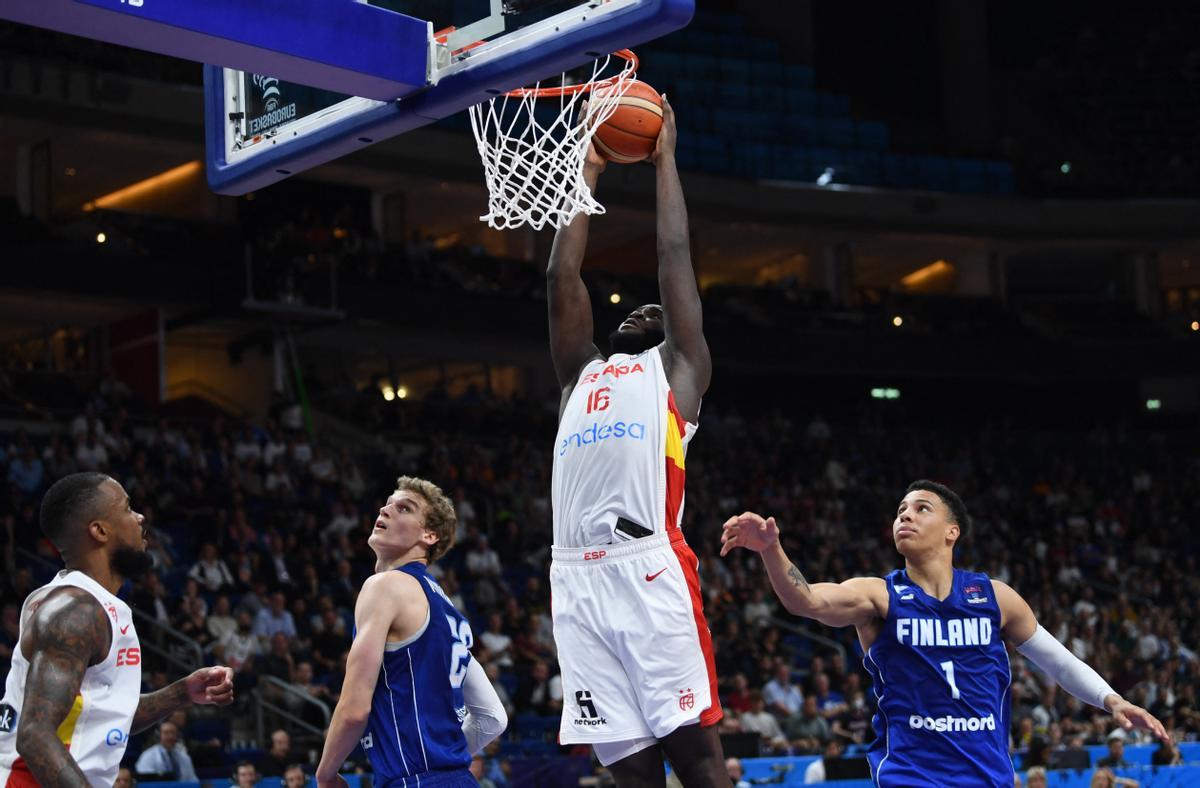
630, 133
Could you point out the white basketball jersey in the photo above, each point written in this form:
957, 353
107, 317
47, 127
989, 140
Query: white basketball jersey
619, 456
96, 729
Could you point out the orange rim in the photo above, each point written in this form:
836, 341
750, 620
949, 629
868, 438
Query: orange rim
570, 90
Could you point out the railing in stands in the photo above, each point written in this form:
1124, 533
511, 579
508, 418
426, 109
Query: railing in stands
157, 638
813, 636
168, 643
263, 704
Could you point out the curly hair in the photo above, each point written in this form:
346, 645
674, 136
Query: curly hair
439, 513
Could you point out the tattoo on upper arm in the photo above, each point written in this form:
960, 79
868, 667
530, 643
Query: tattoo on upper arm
68, 632
797, 578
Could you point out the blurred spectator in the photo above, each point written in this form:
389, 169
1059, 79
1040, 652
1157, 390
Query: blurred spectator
759, 720
168, 759
541, 693
1166, 754
733, 767
244, 775
1105, 778
220, 622
1116, 751
239, 646
125, 778
815, 771
807, 730
210, 571
830, 703
90, 453
738, 698
275, 619
1035, 777
783, 698
294, 777
330, 640
26, 472
493, 673
498, 644
278, 661
278, 757
853, 726
759, 610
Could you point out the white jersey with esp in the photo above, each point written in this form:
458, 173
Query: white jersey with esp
96, 729
619, 456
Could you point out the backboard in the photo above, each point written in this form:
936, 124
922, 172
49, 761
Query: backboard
260, 129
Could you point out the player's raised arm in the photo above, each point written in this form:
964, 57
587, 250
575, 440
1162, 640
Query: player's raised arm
68, 633
571, 343
690, 367
855, 602
1020, 627
382, 596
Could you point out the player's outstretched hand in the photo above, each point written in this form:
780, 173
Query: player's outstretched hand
665, 146
1129, 716
211, 686
750, 531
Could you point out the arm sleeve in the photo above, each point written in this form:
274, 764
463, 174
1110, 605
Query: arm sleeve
1073, 675
485, 718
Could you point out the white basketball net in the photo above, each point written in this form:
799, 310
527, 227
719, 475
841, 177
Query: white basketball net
533, 161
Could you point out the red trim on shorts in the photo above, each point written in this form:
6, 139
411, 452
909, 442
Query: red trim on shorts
687, 561
19, 776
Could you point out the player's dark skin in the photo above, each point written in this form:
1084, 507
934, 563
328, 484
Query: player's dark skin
68, 631
693, 750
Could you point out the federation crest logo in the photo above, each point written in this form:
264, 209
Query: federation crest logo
270, 91
974, 595
687, 699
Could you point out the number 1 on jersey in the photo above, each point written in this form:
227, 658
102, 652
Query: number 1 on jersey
948, 667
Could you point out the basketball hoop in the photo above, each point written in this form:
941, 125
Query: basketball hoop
533, 160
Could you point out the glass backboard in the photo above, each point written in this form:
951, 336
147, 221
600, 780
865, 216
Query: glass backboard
261, 129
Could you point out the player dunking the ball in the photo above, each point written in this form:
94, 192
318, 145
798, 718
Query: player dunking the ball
933, 642
73, 695
634, 649
413, 695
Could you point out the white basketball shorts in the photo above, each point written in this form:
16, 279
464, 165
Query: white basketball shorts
633, 646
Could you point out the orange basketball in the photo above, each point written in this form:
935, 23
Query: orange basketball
630, 134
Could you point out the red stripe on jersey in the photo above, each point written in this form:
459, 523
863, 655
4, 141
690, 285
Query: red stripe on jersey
687, 561
676, 468
20, 776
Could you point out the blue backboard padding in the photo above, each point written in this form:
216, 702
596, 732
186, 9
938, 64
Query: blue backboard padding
626, 28
339, 45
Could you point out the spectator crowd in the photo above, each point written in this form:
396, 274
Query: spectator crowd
259, 542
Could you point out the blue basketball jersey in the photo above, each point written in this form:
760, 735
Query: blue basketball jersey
414, 734
941, 682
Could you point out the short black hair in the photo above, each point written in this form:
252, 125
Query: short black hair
69, 500
958, 509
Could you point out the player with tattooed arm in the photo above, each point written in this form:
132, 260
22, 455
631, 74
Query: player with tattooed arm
77, 660
933, 641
